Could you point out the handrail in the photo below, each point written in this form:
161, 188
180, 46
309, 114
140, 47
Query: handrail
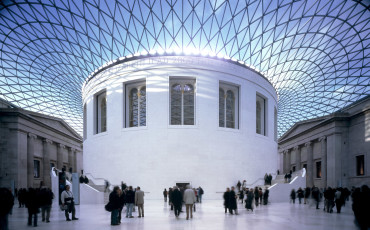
263, 179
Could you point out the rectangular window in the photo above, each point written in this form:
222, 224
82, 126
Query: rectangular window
182, 101
101, 112
228, 106
318, 169
36, 168
135, 104
261, 115
360, 165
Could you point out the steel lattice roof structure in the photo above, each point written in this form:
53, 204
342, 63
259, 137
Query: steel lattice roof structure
314, 52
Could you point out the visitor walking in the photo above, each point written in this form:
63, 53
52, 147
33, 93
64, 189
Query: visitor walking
292, 196
189, 200
67, 199
139, 201
115, 204
232, 201
130, 201
227, 200
33, 205
176, 199
46, 200
7, 202
165, 193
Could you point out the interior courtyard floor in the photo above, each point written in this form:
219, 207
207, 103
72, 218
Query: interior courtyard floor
209, 215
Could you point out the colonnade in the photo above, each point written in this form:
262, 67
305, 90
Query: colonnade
62, 155
309, 163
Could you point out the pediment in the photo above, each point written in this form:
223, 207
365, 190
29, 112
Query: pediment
55, 123
301, 126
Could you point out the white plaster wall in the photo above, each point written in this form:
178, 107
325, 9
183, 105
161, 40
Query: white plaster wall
159, 155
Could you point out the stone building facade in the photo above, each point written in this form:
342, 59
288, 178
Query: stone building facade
335, 149
31, 143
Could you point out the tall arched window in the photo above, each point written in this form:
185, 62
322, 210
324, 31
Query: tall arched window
101, 106
260, 115
136, 104
182, 101
228, 106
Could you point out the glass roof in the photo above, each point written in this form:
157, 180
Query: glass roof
315, 53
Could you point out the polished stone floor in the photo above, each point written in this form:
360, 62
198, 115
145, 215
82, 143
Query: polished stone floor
209, 215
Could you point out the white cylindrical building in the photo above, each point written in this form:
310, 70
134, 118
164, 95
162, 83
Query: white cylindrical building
155, 121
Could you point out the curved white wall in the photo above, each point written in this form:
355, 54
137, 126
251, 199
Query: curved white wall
159, 155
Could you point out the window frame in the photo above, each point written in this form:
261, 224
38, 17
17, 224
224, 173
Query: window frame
264, 114
37, 170
356, 162
182, 81
98, 114
235, 89
128, 86
318, 173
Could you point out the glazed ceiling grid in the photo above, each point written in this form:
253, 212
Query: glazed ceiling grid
315, 53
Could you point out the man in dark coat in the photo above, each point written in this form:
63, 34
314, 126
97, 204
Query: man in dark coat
232, 200
32, 204
360, 206
227, 199
256, 195
316, 196
307, 193
266, 197
170, 197
115, 203
130, 201
176, 200
46, 200
249, 200
7, 202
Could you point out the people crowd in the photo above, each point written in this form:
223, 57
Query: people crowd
252, 197
337, 198
38, 200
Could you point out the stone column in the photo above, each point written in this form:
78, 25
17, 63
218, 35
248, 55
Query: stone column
289, 163
74, 164
297, 150
323, 161
309, 164
30, 153
70, 158
285, 161
46, 162
60, 149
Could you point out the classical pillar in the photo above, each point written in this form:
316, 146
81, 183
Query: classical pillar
74, 158
285, 161
309, 164
297, 151
60, 149
70, 158
323, 161
30, 153
46, 162
289, 162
